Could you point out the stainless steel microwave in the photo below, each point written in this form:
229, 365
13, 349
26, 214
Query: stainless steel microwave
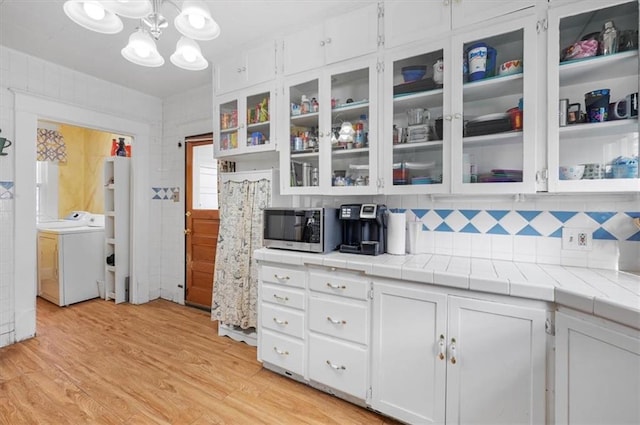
302, 229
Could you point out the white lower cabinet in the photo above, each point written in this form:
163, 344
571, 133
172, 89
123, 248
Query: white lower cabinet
440, 358
597, 371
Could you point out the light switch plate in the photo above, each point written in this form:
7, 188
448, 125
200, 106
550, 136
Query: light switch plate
577, 239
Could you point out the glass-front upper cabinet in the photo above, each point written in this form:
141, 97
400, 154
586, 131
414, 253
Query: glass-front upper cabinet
593, 97
331, 131
416, 145
495, 86
243, 122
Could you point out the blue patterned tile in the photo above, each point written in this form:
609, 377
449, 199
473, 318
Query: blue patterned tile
443, 213
469, 214
635, 237
444, 228
469, 228
600, 217
557, 233
497, 230
528, 231
529, 215
419, 212
602, 234
563, 216
497, 214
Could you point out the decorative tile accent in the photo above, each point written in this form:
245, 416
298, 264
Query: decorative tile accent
163, 193
606, 225
6, 190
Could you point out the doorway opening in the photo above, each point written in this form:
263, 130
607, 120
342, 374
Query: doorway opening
202, 220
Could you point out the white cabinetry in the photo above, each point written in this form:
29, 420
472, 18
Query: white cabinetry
596, 143
597, 371
338, 38
242, 121
281, 331
408, 20
438, 356
117, 171
344, 93
339, 331
252, 66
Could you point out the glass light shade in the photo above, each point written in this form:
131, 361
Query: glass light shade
195, 21
129, 8
142, 50
110, 23
188, 55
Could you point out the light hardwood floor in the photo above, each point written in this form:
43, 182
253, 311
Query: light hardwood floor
158, 363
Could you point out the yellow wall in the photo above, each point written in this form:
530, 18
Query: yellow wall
80, 186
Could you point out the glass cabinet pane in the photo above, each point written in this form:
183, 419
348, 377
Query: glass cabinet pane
303, 134
493, 144
229, 125
258, 119
598, 95
350, 155
417, 126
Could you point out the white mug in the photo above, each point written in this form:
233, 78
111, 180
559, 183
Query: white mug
438, 71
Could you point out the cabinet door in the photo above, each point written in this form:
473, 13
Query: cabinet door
417, 152
465, 12
228, 125
304, 50
351, 34
409, 20
601, 153
496, 364
261, 63
48, 273
494, 114
597, 370
231, 74
408, 371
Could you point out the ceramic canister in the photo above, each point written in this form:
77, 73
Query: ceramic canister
477, 61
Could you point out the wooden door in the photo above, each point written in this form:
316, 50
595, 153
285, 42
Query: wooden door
202, 221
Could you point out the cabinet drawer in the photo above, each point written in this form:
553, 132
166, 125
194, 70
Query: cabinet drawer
283, 276
283, 296
282, 351
290, 322
338, 364
339, 284
339, 319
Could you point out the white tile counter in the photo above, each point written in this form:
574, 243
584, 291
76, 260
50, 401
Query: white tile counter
609, 294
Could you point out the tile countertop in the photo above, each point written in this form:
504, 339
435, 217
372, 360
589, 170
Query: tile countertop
610, 294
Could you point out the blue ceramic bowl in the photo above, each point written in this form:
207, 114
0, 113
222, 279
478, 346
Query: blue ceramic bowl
413, 73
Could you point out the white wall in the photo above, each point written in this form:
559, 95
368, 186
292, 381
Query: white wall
48, 91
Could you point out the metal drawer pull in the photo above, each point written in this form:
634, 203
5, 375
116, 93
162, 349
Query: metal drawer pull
333, 286
281, 277
335, 367
452, 350
282, 353
442, 346
279, 298
336, 322
280, 322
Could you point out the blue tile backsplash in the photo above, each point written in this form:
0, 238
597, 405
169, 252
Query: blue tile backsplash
615, 226
163, 193
6, 190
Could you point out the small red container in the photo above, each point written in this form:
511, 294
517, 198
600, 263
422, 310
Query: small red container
515, 115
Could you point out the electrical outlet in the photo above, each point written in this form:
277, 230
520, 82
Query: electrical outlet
576, 239
176, 195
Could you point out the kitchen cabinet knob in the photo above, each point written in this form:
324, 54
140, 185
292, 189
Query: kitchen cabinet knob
328, 40
336, 322
188, 213
448, 117
187, 231
442, 346
334, 286
457, 115
281, 352
279, 298
238, 70
335, 367
452, 351
280, 322
277, 276
322, 42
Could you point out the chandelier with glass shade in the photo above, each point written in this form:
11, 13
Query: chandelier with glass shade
194, 22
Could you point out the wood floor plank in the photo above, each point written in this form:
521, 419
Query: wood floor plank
158, 363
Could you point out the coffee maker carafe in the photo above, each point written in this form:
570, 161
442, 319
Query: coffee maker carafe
363, 229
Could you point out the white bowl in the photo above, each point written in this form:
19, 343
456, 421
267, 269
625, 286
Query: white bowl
510, 67
571, 172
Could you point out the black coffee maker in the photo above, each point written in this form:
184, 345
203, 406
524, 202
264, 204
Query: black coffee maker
363, 229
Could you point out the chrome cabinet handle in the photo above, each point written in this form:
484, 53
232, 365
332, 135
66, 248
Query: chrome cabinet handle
322, 42
457, 115
281, 352
448, 117
336, 322
335, 367
452, 351
279, 298
442, 346
334, 286
277, 276
328, 40
280, 322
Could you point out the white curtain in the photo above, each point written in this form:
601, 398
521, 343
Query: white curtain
235, 281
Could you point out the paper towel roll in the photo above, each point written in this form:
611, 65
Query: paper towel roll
396, 233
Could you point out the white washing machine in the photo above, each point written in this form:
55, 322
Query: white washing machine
70, 260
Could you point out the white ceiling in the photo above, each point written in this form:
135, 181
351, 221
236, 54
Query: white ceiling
40, 28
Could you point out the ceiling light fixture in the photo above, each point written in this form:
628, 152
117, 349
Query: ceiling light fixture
194, 22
